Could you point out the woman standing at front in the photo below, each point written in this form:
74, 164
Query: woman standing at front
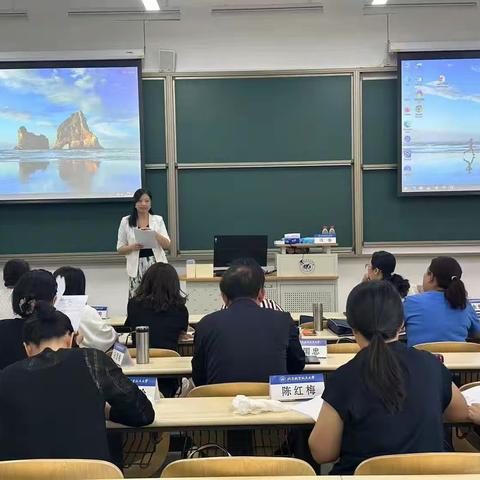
139, 258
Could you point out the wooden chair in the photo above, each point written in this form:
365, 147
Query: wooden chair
421, 464
58, 470
155, 353
343, 348
238, 467
231, 389
449, 347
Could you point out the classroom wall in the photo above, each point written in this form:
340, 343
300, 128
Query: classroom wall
341, 37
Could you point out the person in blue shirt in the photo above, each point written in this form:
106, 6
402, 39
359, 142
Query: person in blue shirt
442, 313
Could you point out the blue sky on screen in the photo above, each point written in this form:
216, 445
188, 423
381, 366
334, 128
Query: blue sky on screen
41, 99
451, 90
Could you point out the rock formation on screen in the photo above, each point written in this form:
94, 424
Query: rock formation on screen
74, 134
30, 141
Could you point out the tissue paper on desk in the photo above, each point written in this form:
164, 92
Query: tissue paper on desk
244, 405
472, 395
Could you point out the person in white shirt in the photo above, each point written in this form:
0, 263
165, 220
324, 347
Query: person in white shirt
95, 331
12, 271
139, 259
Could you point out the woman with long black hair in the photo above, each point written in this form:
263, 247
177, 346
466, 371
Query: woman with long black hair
139, 258
389, 399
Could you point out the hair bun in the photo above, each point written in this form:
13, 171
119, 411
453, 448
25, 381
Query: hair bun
43, 310
27, 305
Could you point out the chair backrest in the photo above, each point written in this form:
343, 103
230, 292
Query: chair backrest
343, 348
237, 466
421, 464
307, 325
155, 352
467, 386
231, 389
448, 347
58, 470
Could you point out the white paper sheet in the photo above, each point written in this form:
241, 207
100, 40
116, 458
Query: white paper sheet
472, 395
146, 238
73, 307
311, 408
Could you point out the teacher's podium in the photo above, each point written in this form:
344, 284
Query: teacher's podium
292, 293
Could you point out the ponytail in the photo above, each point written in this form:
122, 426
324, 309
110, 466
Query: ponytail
448, 273
45, 323
400, 283
384, 375
374, 309
456, 294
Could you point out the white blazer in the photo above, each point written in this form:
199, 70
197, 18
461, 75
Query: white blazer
126, 236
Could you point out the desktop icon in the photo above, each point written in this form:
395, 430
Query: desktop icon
407, 168
407, 154
407, 124
418, 65
407, 139
419, 94
441, 79
419, 80
419, 108
407, 109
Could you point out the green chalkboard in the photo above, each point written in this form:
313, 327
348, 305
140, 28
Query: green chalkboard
269, 201
263, 119
379, 117
154, 121
71, 227
389, 218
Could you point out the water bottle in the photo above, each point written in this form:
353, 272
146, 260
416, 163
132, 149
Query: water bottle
331, 231
318, 317
142, 339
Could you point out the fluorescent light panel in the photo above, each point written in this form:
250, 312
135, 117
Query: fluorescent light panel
379, 2
383, 5
151, 5
116, 14
269, 8
13, 14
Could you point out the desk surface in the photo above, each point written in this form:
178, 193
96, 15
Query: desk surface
191, 413
182, 366
348, 477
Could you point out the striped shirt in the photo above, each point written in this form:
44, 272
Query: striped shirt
267, 303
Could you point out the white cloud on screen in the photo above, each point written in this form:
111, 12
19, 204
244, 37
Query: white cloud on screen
8, 114
107, 129
448, 92
53, 88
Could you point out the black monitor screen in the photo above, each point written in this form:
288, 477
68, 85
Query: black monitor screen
227, 248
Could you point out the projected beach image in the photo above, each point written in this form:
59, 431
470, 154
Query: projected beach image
69, 133
440, 125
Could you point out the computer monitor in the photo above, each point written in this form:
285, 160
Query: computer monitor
227, 248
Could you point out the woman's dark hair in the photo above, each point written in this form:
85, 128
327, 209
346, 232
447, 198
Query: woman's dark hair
45, 323
133, 218
448, 273
160, 288
74, 280
374, 309
33, 286
13, 270
386, 263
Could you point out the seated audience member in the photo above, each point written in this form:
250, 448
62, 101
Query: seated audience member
12, 271
33, 285
159, 304
95, 331
245, 343
266, 302
381, 267
54, 403
389, 399
442, 312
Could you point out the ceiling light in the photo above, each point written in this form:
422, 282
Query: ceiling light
268, 8
379, 2
151, 5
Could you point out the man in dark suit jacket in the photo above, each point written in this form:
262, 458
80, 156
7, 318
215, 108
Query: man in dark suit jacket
245, 343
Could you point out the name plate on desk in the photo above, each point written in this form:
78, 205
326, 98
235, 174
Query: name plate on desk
149, 386
102, 310
475, 302
325, 239
314, 348
121, 355
296, 387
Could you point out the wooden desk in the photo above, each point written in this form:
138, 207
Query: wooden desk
173, 414
182, 366
346, 477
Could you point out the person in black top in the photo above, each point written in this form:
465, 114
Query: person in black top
389, 399
54, 403
33, 285
245, 343
159, 304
